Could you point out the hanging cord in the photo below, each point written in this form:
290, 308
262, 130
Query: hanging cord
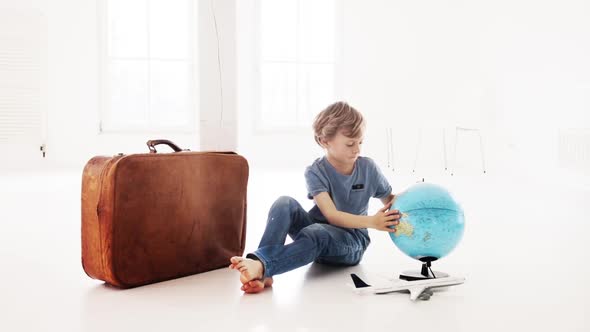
218, 64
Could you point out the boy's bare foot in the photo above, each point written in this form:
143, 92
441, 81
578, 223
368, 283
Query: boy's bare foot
251, 273
256, 286
250, 269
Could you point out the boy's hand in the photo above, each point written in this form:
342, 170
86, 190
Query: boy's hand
383, 219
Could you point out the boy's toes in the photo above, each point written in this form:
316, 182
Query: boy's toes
256, 284
235, 260
256, 289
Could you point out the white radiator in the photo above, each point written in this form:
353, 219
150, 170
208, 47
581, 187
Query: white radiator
23, 71
574, 149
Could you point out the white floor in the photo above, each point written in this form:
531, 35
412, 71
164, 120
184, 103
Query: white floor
524, 254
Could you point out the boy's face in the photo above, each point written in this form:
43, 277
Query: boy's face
344, 149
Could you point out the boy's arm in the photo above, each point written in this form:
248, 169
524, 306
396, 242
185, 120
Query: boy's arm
381, 221
388, 199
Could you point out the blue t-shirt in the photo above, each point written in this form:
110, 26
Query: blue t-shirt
350, 193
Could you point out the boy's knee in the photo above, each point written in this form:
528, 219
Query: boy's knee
284, 203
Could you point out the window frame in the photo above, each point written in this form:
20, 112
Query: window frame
257, 123
105, 123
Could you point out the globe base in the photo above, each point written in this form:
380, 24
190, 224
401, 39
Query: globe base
417, 275
425, 273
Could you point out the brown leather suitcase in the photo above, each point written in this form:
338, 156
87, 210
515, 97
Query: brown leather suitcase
158, 216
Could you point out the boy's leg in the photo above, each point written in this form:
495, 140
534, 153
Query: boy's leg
318, 241
286, 216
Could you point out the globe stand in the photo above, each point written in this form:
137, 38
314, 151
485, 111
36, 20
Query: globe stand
425, 273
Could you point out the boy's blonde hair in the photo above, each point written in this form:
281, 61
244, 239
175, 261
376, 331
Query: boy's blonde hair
338, 116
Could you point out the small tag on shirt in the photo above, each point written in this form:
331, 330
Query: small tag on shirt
358, 186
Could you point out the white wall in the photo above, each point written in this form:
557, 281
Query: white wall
73, 86
518, 69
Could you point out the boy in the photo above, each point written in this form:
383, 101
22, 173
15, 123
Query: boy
334, 231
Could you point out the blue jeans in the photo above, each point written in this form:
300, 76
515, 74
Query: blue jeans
312, 240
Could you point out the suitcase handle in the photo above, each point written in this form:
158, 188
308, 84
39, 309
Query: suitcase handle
153, 142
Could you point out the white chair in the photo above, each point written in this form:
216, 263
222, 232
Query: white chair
419, 146
467, 102
391, 150
463, 131
467, 118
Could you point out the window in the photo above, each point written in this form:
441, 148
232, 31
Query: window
148, 67
296, 61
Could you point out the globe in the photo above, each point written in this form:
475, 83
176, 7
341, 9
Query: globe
432, 222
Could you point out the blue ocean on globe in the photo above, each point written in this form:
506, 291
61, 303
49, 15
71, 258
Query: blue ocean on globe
432, 222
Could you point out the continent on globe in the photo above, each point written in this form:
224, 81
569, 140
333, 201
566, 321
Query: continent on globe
404, 227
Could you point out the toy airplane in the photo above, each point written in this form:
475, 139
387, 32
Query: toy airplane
419, 289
